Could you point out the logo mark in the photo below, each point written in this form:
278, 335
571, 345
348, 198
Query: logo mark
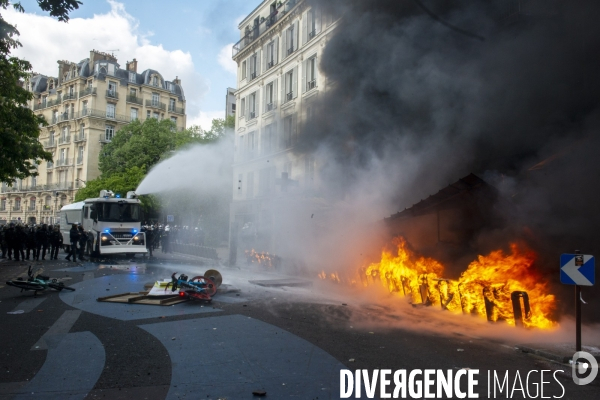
579, 368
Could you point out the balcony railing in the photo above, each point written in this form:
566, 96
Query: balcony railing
59, 186
79, 160
31, 208
70, 96
64, 139
64, 116
177, 110
79, 138
16, 208
64, 162
289, 96
311, 85
47, 208
134, 99
86, 91
48, 144
156, 104
269, 106
90, 112
112, 94
263, 26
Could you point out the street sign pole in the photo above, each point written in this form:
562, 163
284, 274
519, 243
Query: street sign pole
577, 318
577, 312
578, 270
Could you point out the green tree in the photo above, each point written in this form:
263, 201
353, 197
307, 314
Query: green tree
145, 144
19, 126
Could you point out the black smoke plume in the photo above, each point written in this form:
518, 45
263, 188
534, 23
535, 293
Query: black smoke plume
434, 90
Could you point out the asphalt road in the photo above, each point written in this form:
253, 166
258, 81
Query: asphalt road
287, 342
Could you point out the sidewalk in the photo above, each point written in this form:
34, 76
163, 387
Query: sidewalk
559, 352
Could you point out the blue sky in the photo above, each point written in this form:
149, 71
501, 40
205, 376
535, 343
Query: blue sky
187, 38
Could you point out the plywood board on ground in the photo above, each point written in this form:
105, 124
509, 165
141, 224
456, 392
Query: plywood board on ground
142, 298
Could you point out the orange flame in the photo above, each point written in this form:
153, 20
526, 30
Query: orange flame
264, 259
484, 289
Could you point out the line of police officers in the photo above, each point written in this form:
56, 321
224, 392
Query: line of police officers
32, 242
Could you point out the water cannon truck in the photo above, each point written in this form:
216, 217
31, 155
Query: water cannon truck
114, 223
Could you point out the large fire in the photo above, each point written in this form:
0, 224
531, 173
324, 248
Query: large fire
263, 259
495, 286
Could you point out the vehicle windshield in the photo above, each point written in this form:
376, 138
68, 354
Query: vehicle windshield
118, 212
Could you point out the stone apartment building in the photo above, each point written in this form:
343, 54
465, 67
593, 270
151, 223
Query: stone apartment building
84, 106
278, 82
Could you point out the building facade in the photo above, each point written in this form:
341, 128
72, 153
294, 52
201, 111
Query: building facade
230, 103
278, 82
84, 106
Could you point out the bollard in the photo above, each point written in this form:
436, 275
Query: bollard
516, 303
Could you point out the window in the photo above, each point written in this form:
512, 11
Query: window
250, 189
2, 204
243, 109
17, 203
54, 116
251, 144
170, 86
48, 200
269, 97
134, 114
84, 107
109, 133
81, 131
313, 24
244, 69
155, 81
71, 91
110, 111
63, 156
254, 65
172, 103
174, 120
271, 56
252, 106
132, 92
269, 139
64, 135
291, 83
132, 76
239, 189
155, 99
233, 108
290, 39
51, 141
80, 155
112, 89
34, 181
287, 132
155, 115
44, 101
89, 84
32, 203
148, 114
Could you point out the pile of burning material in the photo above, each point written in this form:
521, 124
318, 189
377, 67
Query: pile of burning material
499, 286
262, 259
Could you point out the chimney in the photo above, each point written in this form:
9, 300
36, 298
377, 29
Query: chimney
177, 81
131, 66
96, 55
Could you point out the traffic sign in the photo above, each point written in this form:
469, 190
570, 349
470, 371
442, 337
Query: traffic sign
577, 269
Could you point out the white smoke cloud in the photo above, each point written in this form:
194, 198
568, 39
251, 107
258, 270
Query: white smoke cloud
46, 40
226, 61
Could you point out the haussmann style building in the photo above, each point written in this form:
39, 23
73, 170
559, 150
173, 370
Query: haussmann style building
84, 105
278, 82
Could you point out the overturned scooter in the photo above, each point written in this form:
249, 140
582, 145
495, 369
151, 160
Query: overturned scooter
199, 287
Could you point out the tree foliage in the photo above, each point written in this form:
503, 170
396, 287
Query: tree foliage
19, 126
145, 144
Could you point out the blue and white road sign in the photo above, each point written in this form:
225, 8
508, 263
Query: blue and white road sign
577, 269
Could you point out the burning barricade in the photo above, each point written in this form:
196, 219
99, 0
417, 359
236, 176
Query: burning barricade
498, 286
263, 259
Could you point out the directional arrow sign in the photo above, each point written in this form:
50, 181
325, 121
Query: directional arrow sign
577, 269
